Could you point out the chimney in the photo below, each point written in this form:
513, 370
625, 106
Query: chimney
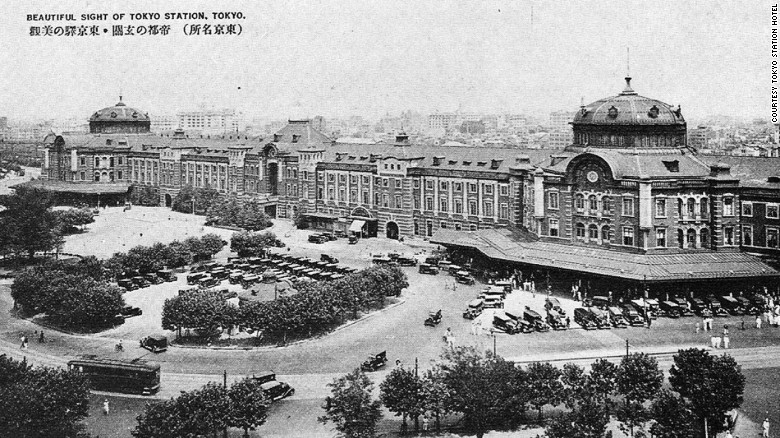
495, 164
178, 133
522, 159
402, 139
720, 169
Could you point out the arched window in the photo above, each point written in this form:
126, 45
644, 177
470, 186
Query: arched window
691, 207
580, 229
605, 205
704, 238
579, 202
593, 232
691, 238
679, 208
605, 233
97, 162
593, 204
704, 207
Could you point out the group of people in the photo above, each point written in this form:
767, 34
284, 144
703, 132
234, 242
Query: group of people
26, 342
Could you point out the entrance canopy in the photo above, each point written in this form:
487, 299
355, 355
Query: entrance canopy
704, 265
357, 226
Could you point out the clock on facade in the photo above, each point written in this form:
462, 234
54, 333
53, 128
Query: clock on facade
593, 176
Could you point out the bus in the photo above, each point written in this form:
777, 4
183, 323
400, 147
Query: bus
115, 375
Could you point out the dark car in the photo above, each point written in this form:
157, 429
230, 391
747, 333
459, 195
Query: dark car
746, 306
276, 390
464, 277
127, 284
555, 320
731, 305
433, 260
714, 304
535, 319
552, 304
407, 261
522, 325
130, 311
374, 362
266, 376
601, 318
220, 273
474, 309
153, 278
353, 239
669, 309
167, 275
141, 282
155, 344
317, 238
433, 319
382, 260
654, 307
600, 301
684, 306
616, 316
208, 281
426, 268
584, 318
643, 307
697, 305
195, 278
505, 324
329, 236
632, 315
328, 258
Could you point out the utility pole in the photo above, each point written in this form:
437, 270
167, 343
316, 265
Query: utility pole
494, 345
626, 347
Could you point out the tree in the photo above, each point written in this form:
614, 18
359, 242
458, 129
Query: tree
41, 402
73, 220
435, 395
204, 309
144, 195
88, 303
30, 222
350, 406
199, 200
638, 380
603, 381
247, 243
248, 405
402, 393
191, 414
712, 385
587, 420
673, 417
544, 385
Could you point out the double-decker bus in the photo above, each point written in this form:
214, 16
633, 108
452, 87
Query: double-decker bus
130, 376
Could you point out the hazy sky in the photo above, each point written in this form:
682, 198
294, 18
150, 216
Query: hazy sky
338, 58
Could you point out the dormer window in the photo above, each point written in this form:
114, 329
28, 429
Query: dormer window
773, 179
113, 114
653, 113
481, 163
135, 115
295, 138
467, 163
277, 137
612, 112
672, 166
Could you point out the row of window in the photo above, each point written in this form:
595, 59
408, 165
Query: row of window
428, 228
604, 234
110, 175
119, 161
772, 211
770, 237
688, 209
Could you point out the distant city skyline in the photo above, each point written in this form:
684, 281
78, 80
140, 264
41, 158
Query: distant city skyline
301, 59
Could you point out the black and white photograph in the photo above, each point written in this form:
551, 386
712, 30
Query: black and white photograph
388, 219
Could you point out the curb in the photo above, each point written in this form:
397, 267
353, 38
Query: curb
298, 342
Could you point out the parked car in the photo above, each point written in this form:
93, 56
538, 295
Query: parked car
141, 282
276, 390
601, 318
697, 305
715, 307
353, 239
535, 319
433, 260
683, 305
453, 269
632, 316
464, 277
433, 319
407, 261
555, 320
746, 305
493, 302
426, 268
220, 273
505, 324
328, 258
374, 362
616, 316
266, 376
167, 275
130, 311
153, 278
584, 318
236, 276
474, 309
155, 344
329, 236
731, 305
195, 278
382, 260
208, 281
317, 238
522, 324
670, 309
600, 301
643, 307
505, 285
552, 304
127, 284
654, 307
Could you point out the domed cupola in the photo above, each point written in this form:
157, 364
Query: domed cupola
119, 119
629, 120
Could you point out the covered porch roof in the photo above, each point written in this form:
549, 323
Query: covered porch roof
82, 188
504, 245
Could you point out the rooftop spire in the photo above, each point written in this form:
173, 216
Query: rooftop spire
628, 89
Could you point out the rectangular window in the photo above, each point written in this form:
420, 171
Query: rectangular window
331, 193
728, 207
458, 226
458, 187
120, 160
83, 161
416, 203
353, 179
320, 192
747, 235
342, 178
366, 199
472, 188
398, 183
386, 182
728, 235
628, 207
488, 208
747, 209
458, 206
331, 177
488, 189
771, 237
660, 237
377, 198
416, 183
83, 176
429, 203
385, 200
366, 179
579, 203
772, 211
444, 185
444, 204
118, 174
342, 194
320, 176
660, 209
398, 203
472, 227
503, 189
553, 227
472, 207
353, 196
628, 236
429, 184
378, 181
443, 225
503, 212
553, 197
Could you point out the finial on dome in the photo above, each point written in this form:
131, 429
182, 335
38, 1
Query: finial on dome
628, 89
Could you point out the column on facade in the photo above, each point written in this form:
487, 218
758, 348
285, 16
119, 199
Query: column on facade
496, 189
450, 195
645, 211
539, 201
436, 183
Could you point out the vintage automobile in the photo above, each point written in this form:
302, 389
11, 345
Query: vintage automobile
353, 239
535, 319
236, 276
141, 282
654, 307
155, 344
555, 320
670, 309
464, 277
453, 269
600, 301
220, 273
584, 318
195, 278
127, 284
381, 259
208, 281
276, 390
433, 319
552, 304
248, 280
317, 238
433, 260
617, 318
715, 307
210, 266
130, 311
505, 284
503, 323
328, 258
697, 305
522, 325
426, 268
643, 307
493, 290
683, 305
601, 318
632, 315
266, 376
493, 302
153, 278
330, 236
167, 275
731, 305
374, 362
474, 309
406, 260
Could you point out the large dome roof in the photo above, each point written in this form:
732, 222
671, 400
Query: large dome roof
628, 108
119, 113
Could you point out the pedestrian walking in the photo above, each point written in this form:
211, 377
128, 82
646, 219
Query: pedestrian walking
474, 324
758, 322
25, 342
765, 426
726, 336
41, 338
568, 322
697, 328
426, 420
713, 342
106, 408
717, 341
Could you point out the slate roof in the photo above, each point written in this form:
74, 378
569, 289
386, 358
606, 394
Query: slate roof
501, 244
751, 171
631, 109
643, 163
119, 113
69, 187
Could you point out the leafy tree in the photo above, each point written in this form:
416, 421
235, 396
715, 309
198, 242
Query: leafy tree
603, 381
673, 417
544, 385
402, 393
575, 385
30, 223
638, 380
248, 405
145, 195
41, 402
210, 245
588, 420
73, 220
88, 303
191, 414
350, 406
247, 243
435, 395
712, 385
204, 309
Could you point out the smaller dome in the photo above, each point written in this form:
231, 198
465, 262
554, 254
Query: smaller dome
119, 113
629, 108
